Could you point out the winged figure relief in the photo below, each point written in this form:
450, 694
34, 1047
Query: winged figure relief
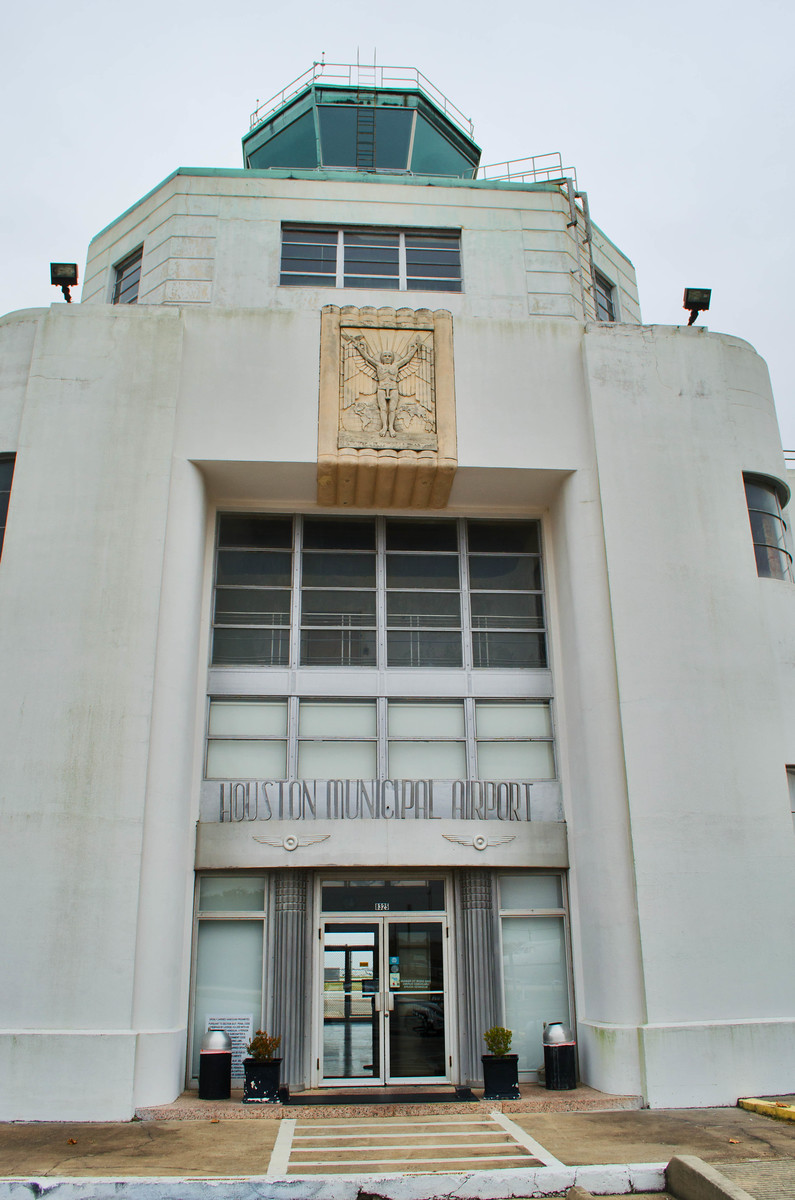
388, 382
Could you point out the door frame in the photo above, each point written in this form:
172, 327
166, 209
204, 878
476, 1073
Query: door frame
381, 918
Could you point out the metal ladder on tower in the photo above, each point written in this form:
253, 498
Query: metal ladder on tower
365, 121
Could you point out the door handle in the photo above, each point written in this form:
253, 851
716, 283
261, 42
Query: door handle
376, 1002
390, 998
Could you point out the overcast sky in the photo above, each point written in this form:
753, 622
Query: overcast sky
678, 117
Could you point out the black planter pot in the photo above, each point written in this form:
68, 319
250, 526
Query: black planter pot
262, 1081
500, 1076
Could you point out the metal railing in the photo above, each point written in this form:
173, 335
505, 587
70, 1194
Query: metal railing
365, 77
537, 168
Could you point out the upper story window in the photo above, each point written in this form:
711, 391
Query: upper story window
398, 260
765, 498
128, 278
604, 298
6, 473
378, 592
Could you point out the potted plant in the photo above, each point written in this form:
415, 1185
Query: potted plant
262, 1070
500, 1069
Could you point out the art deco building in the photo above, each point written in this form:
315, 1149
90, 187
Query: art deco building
387, 651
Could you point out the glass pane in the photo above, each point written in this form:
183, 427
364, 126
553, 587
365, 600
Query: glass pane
504, 537
308, 280
371, 281
515, 760
352, 720
390, 895
504, 571
422, 649
266, 533
513, 720
231, 893
228, 978
507, 610
309, 233
415, 956
413, 610
294, 146
338, 608
433, 285
251, 647
536, 982
501, 650
416, 1036
421, 535
337, 134
433, 154
337, 760
250, 606
338, 648
772, 563
254, 567
336, 569
767, 529
351, 979
531, 891
427, 760
370, 238
246, 760
422, 570
248, 718
392, 135
426, 720
339, 535
763, 498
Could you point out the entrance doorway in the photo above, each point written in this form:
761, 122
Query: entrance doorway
383, 1001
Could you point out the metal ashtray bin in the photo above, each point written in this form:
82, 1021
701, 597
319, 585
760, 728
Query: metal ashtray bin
559, 1057
215, 1066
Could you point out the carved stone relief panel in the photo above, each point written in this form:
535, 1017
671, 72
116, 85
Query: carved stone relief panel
387, 435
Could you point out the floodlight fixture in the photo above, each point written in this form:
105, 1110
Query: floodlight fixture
697, 300
64, 276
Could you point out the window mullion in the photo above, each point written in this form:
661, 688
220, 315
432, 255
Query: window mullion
402, 269
295, 602
380, 593
382, 729
340, 280
471, 738
466, 622
292, 737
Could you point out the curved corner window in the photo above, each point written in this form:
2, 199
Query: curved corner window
766, 498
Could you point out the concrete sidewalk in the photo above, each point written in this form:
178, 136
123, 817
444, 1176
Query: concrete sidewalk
405, 1156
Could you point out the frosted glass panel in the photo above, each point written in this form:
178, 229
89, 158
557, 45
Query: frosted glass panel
337, 760
231, 717
427, 760
515, 760
231, 893
246, 760
536, 982
531, 891
351, 720
426, 720
228, 974
513, 720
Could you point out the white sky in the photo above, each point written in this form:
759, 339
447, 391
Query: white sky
678, 117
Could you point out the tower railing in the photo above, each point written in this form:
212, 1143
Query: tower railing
360, 75
537, 168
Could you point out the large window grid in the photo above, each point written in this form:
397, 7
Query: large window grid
378, 592
396, 260
288, 738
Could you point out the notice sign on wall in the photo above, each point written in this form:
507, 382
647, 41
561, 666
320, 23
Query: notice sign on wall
240, 1027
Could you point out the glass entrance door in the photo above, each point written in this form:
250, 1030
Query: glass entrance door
383, 1001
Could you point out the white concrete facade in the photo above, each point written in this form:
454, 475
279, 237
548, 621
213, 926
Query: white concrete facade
671, 661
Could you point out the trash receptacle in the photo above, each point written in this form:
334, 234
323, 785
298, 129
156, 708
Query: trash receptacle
559, 1059
215, 1066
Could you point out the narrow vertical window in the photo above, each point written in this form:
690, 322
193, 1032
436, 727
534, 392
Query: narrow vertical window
6, 473
604, 298
128, 278
765, 498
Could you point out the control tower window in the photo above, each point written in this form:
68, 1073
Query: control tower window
397, 260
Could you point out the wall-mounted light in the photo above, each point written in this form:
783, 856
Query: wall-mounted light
697, 300
64, 276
